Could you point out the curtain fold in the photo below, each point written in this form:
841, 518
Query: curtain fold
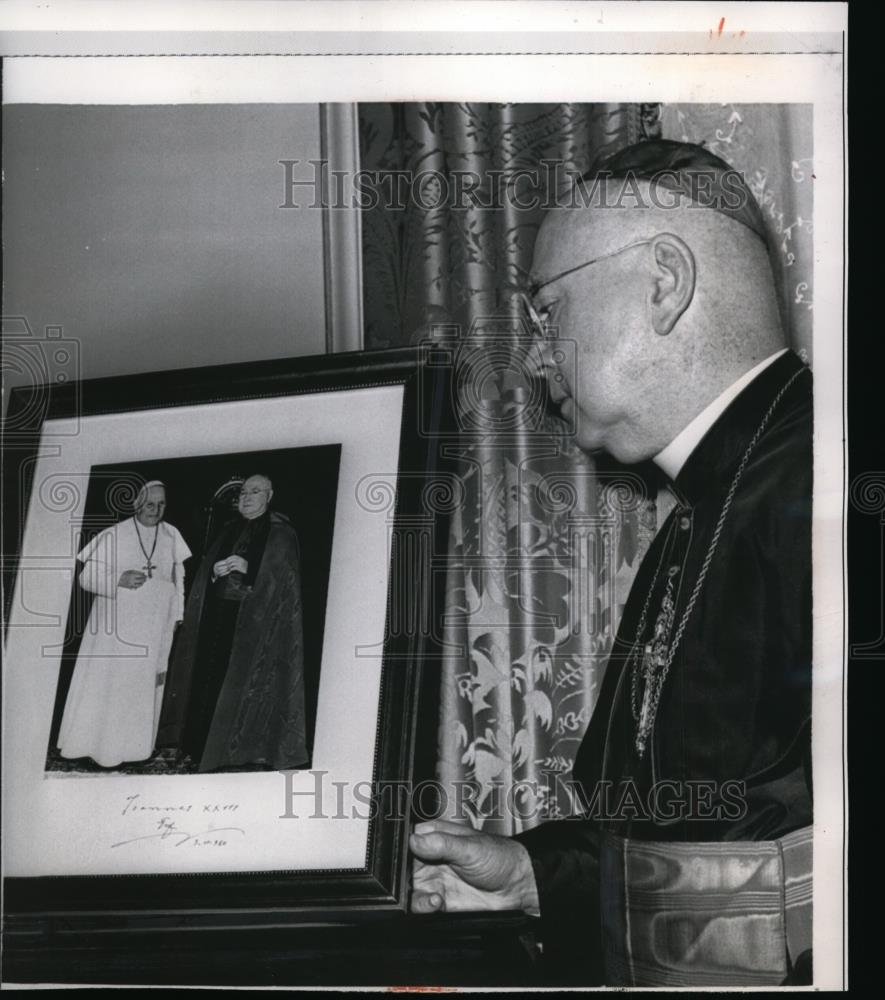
543, 544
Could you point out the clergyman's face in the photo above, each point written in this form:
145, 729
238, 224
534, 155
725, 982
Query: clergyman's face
153, 508
254, 497
591, 314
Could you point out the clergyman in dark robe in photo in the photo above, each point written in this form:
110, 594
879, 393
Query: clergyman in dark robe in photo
235, 693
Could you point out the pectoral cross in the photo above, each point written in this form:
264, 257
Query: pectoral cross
655, 664
149, 567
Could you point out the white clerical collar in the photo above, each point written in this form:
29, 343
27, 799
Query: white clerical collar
676, 454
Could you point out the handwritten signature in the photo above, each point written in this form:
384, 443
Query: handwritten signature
132, 805
167, 830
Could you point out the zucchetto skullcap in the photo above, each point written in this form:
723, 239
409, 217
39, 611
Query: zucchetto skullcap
141, 499
692, 171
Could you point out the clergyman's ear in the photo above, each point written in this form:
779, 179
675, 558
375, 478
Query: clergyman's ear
674, 283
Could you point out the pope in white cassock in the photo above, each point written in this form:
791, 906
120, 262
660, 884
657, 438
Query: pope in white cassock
136, 571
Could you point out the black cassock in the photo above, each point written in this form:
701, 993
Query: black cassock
728, 758
235, 693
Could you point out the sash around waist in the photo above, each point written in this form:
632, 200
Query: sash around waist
232, 588
734, 913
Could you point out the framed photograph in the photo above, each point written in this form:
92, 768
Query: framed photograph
204, 674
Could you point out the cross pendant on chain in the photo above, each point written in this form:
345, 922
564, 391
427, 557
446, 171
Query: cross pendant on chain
150, 566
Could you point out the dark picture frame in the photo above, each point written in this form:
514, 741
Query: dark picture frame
118, 902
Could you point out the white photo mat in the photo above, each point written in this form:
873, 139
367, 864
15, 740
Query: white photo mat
76, 824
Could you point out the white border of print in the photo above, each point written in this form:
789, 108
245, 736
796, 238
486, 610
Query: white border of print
705, 53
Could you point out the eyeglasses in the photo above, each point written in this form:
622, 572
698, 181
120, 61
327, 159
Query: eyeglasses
538, 322
251, 493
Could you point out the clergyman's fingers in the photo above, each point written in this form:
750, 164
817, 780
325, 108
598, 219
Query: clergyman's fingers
427, 902
444, 826
443, 847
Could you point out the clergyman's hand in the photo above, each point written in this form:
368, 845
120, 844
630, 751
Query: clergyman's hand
233, 564
459, 868
131, 579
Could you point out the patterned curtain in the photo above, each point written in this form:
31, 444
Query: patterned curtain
543, 543
772, 146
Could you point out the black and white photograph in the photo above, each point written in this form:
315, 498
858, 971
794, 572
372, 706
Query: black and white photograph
424, 497
170, 667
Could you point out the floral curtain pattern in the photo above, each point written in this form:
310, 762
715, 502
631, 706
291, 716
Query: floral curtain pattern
543, 543
772, 146
454, 194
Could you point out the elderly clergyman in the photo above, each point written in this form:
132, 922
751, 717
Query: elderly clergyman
136, 571
235, 698
691, 865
